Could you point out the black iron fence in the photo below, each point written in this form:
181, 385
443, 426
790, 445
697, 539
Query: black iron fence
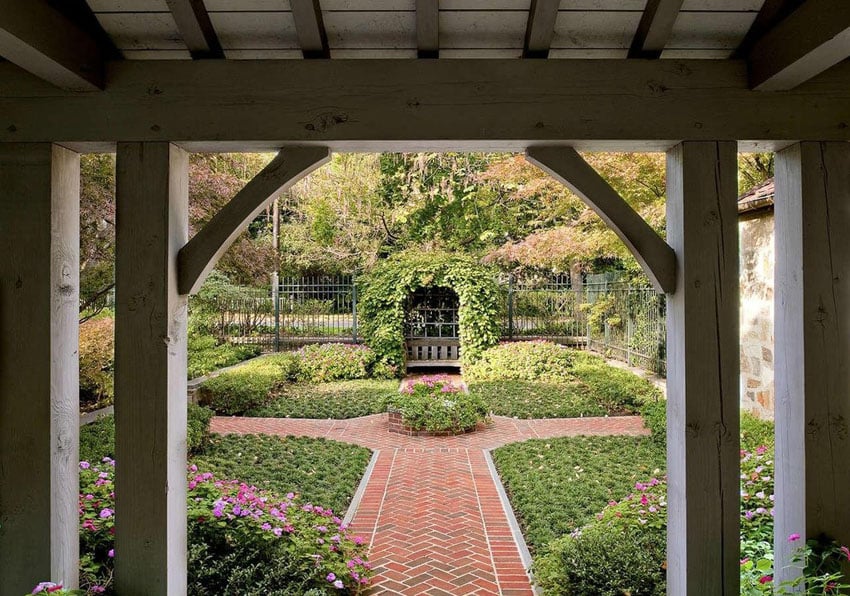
622, 321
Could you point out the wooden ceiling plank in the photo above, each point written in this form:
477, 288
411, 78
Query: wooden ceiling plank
195, 27
655, 28
541, 28
310, 28
810, 40
428, 28
41, 40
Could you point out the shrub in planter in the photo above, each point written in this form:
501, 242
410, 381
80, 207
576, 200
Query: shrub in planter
522, 361
241, 540
97, 345
435, 404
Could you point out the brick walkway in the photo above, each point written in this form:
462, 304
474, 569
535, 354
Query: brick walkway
431, 510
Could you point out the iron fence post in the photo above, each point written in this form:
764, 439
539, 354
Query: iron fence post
510, 306
276, 300
354, 308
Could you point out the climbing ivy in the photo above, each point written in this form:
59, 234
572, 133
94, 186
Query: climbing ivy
384, 290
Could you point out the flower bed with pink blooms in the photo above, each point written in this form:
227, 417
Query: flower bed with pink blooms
242, 540
436, 405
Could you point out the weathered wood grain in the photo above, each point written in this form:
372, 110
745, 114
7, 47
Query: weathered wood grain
424, 104
703, 371
39, 370
152, 224
812, 330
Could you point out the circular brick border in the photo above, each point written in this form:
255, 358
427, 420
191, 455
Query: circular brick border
397, 425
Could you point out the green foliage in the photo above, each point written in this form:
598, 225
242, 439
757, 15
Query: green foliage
320, 363
97, 345
622, 551
97, 440
756, 432
522, 361
207, 355
384, 290
614, 388
338, 400
435, 404
557, 485
319, 470
654, 415
536, 399
198, 428
234, 391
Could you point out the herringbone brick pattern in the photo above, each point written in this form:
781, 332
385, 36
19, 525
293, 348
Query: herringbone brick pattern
431, 510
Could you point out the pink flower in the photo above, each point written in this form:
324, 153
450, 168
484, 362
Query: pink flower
846, 552
111, 553
765, 579
793, 537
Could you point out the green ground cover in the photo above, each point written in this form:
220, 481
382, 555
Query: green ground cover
338, 400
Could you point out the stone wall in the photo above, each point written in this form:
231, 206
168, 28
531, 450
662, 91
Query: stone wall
757, 261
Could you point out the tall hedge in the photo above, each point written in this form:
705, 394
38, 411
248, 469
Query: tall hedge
384, 290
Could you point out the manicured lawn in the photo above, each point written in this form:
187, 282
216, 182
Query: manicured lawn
320, 470
557, 485
338, 400
537, 399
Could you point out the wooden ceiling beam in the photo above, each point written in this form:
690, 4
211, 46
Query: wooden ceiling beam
428, 28
810, 40
540, 28
463, 104
772, 11
41, 40
655, 28
195, 27
310, 28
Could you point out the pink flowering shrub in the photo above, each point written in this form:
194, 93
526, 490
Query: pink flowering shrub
242, 540
436, 404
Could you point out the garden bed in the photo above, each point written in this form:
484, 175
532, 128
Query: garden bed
397, 425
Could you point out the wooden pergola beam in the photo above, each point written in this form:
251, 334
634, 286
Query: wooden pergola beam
568, 167
195, 26
771, 13
41, 40
540, 28
202, 252
428, 28
654, 29
402, 105
310, 28
812, 39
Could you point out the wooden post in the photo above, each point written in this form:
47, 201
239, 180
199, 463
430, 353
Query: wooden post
150, 370
702, 383
39, 371
812, 330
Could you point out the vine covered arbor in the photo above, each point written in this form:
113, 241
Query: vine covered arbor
698, 79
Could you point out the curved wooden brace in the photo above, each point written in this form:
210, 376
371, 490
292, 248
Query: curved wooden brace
655, 256
197, 258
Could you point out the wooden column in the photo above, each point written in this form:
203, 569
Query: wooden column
702, 363
812, 330
150, 370
39, 371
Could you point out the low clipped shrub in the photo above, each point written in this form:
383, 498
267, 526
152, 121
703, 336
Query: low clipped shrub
242, 540
97, 361
235, 391
337, 400
435, 404
198, 429
207, 355
622, 551
614, 388
522, 361
321, 363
